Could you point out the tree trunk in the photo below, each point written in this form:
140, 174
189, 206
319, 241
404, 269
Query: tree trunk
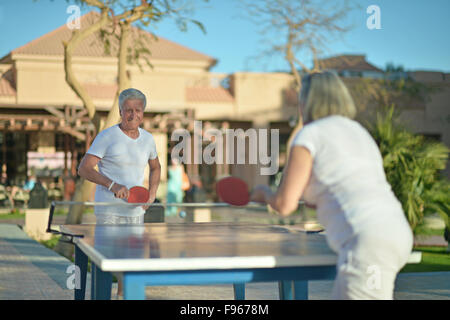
298, 83
123, 80
290, 58
69, 47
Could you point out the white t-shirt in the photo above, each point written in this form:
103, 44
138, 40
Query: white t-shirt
123, 160
348, 184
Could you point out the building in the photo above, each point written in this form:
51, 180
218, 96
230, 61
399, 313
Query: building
349, 66
44, 127
430, 118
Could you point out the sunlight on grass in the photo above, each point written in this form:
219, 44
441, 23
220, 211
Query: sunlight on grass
51, 243
433, 259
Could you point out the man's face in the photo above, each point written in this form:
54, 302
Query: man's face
132, 113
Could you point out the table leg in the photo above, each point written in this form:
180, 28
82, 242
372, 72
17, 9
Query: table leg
133, 287
81, 261
239, 291
93, 283
101, 282
301, 290
285, 290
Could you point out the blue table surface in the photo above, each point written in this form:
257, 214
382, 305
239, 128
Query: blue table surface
198, 240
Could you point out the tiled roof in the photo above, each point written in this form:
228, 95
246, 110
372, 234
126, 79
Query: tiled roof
348, 62
7, 85
51, 44
208, 94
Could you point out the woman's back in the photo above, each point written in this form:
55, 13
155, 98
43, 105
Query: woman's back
347, 183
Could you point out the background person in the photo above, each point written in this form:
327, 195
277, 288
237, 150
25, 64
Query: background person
29, 184
19, 194
174, 186
336, 165
69, 185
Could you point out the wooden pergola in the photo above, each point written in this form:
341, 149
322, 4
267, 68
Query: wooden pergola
71, 122
74, 123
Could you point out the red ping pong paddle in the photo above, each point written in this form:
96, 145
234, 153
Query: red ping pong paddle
233, 191
138, 195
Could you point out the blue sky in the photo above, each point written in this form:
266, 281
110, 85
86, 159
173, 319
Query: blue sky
414, 33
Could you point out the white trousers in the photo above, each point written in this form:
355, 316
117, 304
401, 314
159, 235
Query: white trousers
368, 263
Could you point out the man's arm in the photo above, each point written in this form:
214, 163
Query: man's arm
154, 177
87, 170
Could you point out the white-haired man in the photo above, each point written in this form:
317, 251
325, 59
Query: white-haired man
122, 153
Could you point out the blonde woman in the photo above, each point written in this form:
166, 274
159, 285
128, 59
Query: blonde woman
336, 166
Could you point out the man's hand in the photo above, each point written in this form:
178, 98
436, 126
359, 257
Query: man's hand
151, 199
154, 178
120, 191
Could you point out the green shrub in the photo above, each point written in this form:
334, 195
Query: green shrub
413, 165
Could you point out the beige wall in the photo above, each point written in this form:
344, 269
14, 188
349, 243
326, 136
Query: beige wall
214, 111
164, 91
260, 95
161, 147
41, 81
435, 118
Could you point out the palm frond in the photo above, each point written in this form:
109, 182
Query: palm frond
412, 165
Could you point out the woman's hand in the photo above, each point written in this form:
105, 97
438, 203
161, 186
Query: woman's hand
310, 206
260, 194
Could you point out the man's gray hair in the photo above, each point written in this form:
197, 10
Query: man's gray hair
131, 93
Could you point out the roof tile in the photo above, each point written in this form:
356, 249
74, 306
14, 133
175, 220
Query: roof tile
7, 87
348, 62
101, 91
208, 94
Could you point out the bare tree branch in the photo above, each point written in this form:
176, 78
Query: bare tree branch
69, 47
291, 26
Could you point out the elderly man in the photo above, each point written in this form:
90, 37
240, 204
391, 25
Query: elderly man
122, 153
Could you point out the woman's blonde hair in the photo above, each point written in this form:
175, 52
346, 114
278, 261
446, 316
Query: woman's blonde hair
324, 94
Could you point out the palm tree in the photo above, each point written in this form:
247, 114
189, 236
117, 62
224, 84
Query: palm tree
412, 165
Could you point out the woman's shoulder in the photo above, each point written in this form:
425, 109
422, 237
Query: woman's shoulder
331, 125
334, 121
331, 119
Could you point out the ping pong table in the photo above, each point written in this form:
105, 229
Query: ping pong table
164, 254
